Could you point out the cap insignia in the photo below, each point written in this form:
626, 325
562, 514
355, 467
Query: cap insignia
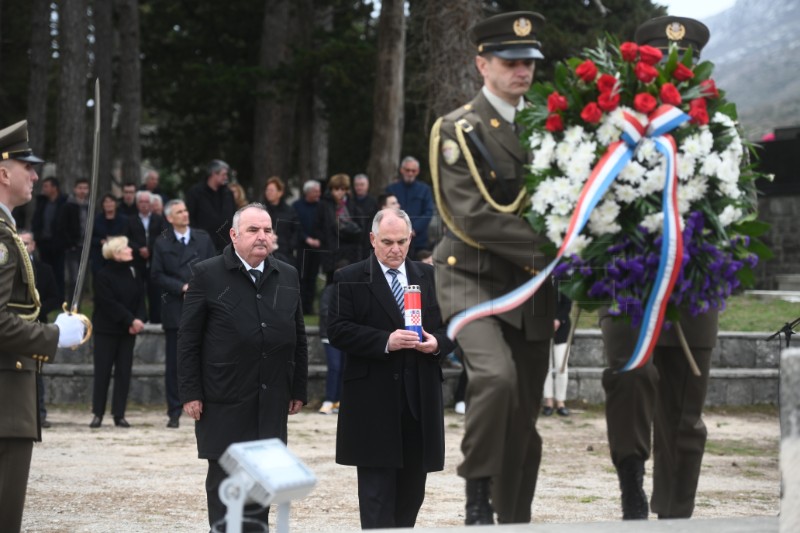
522, 27
675, 31
450, 151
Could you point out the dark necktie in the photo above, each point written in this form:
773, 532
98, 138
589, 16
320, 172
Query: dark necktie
256, 274
183, 241
397, 290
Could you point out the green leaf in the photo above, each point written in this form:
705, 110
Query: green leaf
751, 228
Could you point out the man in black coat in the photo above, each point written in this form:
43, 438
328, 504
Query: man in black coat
46, 216
390, 419
242, 349
211, 205
174, 254
142, 232
50, 299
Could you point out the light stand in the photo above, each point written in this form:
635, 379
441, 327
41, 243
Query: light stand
262, 472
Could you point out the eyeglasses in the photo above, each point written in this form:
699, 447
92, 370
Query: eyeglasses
405, 169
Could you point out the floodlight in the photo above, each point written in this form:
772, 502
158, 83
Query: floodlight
262, 472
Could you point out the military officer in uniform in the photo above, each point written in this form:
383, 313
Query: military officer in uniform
477, 166
24, 343
663, 395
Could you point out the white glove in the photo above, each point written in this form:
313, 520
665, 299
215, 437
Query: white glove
70, 330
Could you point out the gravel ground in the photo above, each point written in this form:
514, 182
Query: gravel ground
148, 478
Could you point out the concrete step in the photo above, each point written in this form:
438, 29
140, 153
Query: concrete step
72, 383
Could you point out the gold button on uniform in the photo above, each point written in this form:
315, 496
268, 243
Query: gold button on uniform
451, 260
19, 365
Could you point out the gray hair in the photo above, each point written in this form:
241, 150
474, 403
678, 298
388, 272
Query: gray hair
238, 214
171, 204
380, 215
360, 177
155, 199
310, 184
217, 165
114, 245
409, 159
141, 194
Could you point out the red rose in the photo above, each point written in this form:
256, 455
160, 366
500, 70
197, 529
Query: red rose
587, 71
644, 103
608, 101
670, 95
606, 82
698, 111
709, 89
591, 113
629, 51
645, 72
556, 102
554, 123
650, 55
682, 72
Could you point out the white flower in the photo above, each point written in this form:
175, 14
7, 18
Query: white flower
685, 167
647, 152
691, 146
564, 151
563, 206
725, 120
730, 215
556, 228
534, 140
730, 190
632, 172
578, 244
625, 193
604, 218
653, 222
607, 133
728, 170
706, 140
544, 155
710, 165
573, 135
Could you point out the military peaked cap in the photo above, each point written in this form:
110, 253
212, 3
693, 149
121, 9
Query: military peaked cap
509, 35
14, 144
660, 32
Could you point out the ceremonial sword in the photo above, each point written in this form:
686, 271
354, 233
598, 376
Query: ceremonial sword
87, 237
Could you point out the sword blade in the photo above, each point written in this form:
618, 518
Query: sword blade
87, 237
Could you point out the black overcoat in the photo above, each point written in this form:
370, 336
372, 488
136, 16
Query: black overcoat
171, 268
363, 314
242, 351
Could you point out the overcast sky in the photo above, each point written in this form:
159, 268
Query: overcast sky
698, 9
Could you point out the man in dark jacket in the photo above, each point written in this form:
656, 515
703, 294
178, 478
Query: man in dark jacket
174, 254
45, 227
390, 419
71, 227
142, 231
211, 205
242, 349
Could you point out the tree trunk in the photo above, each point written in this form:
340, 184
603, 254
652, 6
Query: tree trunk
103, 47
312, 118
71, 128
387, 129
40, 75
130, 90
275, 104
451, 79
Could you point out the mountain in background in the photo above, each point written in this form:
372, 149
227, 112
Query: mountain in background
755, 47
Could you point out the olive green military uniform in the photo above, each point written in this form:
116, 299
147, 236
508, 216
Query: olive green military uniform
663, 395
24, 344
488, 251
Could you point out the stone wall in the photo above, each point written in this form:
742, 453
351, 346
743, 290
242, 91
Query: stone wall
782, 212
744, 370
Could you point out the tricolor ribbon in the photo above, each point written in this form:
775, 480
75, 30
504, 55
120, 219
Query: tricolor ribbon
659, 123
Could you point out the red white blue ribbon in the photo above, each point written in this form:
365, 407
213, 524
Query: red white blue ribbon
618, 154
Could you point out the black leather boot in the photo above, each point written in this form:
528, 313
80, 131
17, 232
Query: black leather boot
631, 479
478, 510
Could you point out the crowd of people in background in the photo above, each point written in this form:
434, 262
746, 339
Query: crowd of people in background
323, 227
